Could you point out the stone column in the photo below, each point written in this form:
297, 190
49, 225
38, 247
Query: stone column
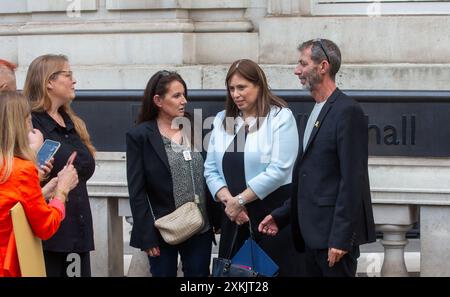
107, 259
394, 242
435, 240
139, 265
289, 7
394, 221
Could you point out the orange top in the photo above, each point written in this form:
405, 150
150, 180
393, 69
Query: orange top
23, 186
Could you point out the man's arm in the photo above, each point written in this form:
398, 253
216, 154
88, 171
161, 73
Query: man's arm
282, 214
352, 150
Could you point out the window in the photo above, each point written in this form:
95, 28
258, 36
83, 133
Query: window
380, 7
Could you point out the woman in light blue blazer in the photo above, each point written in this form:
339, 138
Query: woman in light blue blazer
251, 155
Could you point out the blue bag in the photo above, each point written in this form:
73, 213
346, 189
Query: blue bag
249, 261
253, 257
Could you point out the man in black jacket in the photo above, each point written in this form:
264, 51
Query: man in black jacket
330, 208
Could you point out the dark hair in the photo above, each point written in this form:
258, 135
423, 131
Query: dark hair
324, 49
157, 85
253, 73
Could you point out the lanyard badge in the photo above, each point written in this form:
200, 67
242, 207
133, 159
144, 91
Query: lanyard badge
187, 155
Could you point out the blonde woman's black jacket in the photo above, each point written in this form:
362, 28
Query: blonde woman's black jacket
76, 233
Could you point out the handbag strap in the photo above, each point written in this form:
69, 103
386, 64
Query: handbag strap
191, 167
252, 236
233, 242
197, 201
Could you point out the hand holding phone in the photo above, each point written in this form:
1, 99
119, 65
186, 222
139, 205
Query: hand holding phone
47, 151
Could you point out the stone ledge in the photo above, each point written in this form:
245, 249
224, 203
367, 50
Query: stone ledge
222, 26
127, 49
110, 180
360, 77
174, 4
60, 5
377, 9
351, 76
97, 27
399, 197
29, 6
108, 27
366, 40
123, 76
402, 196
213, 48
14, 7
406, 161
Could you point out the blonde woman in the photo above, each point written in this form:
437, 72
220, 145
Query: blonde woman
50, 86
19, 182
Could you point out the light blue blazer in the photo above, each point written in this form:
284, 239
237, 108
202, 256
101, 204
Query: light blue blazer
269, 153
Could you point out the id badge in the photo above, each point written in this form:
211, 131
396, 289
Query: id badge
187, 155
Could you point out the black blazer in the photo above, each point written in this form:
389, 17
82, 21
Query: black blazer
148, 175
330, 204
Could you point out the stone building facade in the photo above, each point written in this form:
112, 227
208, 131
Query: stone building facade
119, 44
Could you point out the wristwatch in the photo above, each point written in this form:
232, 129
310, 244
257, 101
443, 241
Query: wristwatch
241, 200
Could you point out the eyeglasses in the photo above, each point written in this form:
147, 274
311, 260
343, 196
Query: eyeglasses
68, 74
163, 73
319, 41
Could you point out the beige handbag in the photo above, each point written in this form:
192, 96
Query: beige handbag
183, 222
180, 224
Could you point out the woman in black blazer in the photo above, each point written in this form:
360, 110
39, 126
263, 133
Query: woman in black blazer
160, 179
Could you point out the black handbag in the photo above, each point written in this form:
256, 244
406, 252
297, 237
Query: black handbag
222, 267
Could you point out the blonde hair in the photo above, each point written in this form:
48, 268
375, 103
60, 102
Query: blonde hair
41, 71
14, 110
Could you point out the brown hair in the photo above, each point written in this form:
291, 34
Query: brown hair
14, 110
41, 71
253, 73
157, 85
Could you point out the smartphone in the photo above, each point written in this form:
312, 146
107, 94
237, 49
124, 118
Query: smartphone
47, 151
71, 158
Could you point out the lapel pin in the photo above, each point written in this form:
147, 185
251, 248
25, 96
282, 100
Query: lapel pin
317, 124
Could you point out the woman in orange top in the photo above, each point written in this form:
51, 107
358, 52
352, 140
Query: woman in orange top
19, 182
